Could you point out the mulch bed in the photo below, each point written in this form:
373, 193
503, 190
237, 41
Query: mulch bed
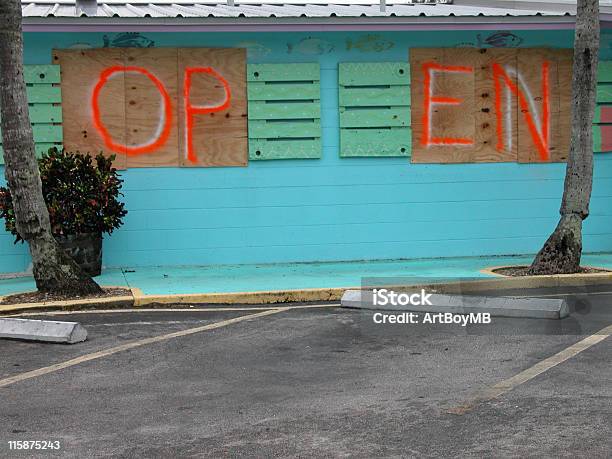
39, 297
518, 271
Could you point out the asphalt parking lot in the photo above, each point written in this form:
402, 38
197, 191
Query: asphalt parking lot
310, 382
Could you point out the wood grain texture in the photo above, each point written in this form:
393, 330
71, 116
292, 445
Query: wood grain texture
530, 65
219, 138
508, 82
80, 72
456, 121
145, 112
487, 147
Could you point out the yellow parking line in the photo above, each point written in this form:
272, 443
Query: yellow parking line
508, 384
134, 344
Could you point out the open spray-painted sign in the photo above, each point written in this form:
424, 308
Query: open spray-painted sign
486, 105
156, 107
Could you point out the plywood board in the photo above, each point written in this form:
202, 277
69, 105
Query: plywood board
151, 95
495, 114
519, 108
443, 80
86, 130
542, 118
212, 123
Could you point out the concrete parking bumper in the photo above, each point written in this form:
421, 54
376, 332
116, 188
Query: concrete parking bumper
537, 308
43, 330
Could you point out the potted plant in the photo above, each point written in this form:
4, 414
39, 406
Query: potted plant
82, 199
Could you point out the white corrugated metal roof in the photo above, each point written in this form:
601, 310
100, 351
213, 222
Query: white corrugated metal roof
295, 9
177, 9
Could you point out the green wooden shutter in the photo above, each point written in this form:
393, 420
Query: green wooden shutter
374, 99
44, 98
284, 111
602, 124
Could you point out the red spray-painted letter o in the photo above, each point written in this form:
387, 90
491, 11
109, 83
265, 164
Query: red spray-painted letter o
166, 122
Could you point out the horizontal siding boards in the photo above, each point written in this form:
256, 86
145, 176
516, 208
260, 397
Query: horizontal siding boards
41, 148
283, 72
371, 96
44, 94
277, 149
45, 114
287, 91
374, 117
263, 129
602, 138
42, 74
602, 124
376, 142
264, 110
284, 111
374, 99
374, 73
44, 98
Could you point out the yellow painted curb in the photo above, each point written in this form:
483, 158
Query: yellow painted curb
84, 303
263, 297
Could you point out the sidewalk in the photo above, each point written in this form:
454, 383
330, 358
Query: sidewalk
190, 280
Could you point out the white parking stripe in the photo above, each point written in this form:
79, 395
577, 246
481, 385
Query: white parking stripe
143, 342
508, 384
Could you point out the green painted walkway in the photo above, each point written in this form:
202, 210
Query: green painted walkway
249, 278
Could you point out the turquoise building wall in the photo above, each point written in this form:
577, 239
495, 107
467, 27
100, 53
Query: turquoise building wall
333, 208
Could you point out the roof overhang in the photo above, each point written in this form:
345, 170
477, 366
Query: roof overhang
88, 24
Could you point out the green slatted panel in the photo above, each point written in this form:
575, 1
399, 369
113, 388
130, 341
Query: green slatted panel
374, 99
284, 111
44, 98
602, 124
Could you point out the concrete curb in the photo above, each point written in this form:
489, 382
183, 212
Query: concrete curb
263, 297
50, 331
126, 301
138, 299
532, 308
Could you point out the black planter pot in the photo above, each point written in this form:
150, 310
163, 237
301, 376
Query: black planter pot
85, 249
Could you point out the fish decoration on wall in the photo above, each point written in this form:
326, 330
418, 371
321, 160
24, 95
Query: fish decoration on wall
311, 46
254, 49
128, 40
371, 43
499, 39
80, 45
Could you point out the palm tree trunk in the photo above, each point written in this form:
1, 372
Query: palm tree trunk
562, 251
54, 271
